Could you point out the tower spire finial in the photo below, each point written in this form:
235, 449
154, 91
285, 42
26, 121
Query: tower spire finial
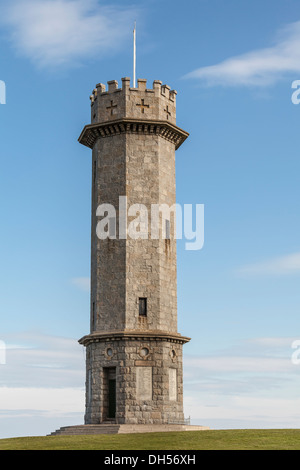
134, 55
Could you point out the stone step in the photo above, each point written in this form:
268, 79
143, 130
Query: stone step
86, 429
107, 428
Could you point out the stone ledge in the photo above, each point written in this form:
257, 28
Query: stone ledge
133, 335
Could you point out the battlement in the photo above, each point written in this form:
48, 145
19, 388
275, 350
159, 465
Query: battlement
113, 87
111, 102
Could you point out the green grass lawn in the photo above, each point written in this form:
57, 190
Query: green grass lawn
251, 439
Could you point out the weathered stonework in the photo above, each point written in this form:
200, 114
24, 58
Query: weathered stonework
133, 359
127, 361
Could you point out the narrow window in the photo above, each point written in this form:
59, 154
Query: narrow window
95, 172
112, 227
89, 387
142, 306
94, 317
167, 229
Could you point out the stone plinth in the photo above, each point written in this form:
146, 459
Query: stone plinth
88, 429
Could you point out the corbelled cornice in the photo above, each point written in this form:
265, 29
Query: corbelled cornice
92, 132
131, 335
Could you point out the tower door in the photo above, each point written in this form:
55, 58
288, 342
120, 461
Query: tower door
112, 398
109, 393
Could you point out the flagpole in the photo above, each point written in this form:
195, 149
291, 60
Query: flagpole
134, 56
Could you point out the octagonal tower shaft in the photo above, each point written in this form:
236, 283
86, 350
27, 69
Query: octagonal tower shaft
133, 329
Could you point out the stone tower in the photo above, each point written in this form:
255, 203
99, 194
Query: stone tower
133, 350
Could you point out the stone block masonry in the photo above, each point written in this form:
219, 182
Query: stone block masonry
143, 393
133, 350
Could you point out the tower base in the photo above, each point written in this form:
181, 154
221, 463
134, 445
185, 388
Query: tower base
94, 429
134, 377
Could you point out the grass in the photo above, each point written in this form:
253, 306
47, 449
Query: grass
250, 439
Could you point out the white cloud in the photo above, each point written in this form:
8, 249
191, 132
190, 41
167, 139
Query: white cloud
254, 412
254, 365
237, 364
83, 283
260, 67
42, 384
66, 32
51, 401
40, 361
251, 384
289, 264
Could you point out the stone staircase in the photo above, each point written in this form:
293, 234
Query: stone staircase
87, 429
112, 428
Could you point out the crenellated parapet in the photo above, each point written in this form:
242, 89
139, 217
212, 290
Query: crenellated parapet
158, 102
126, 109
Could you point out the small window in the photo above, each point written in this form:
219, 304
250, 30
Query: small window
142, 306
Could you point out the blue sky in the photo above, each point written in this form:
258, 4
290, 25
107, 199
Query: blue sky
233, 64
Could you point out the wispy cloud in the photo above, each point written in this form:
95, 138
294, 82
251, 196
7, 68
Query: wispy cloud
253, 381
38, 360
41, 384
48, 401
260, 67
246, 411
55, 33
283, 265
83, 283
248, 384
247, 361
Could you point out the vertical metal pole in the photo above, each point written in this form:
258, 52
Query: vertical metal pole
134, 56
